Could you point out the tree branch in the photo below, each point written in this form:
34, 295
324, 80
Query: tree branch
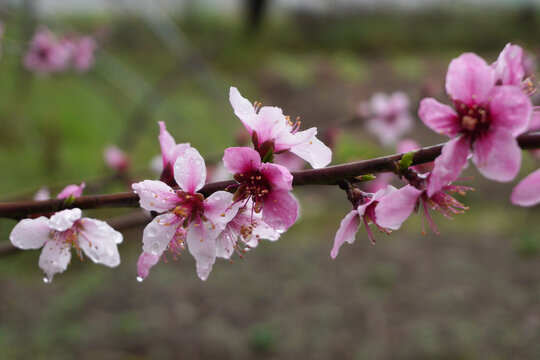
326, 176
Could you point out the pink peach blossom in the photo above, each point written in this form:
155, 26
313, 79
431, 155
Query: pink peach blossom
486, 121
116, 158
389, 117
267, 185
82, 53
187, 217
364, 212
270, 129
64, 230
71, 191
170, 151
46, 53
395, 208
527, 192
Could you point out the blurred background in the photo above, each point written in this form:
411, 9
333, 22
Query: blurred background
472, 292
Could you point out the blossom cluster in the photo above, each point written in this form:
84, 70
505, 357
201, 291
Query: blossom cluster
491, 106
49, 54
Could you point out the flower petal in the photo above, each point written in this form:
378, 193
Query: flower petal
145, 263
510, 109
155, 195
71, 190
63, 220
158, 234
219, 208
439, 117
54, 258
449, 164
242, 108
314, 151
277, 176
190, 171
201, 241
497, 155
30, 233
240, 160
393, 209
527, 192
509, 67
166, 142
271, 124
99, 242
469, 79
280, 210
346, 232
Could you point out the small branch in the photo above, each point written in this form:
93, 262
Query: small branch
327, 176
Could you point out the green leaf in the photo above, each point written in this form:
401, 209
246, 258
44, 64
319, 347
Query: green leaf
406, 161
367, 177
68, 201
269, 156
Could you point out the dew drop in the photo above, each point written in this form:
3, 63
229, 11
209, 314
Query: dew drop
139, 279
46, 279
152, 231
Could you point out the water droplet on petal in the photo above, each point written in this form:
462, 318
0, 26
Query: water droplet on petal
139, 279
46, 279
152, 231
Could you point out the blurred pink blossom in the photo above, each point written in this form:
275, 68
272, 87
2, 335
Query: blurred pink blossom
116, 158
47, 54
527, 192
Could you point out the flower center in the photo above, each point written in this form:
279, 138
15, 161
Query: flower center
252, 185
190, 207
474, 119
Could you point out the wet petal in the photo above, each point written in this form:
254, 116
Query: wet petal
54, 258
145, 263
99, 242
527, 192
469, 79
280, 210
277, 176
439, 117
201, 240
158, 233
394, 209
63, 220
240, 160
497, 155
190, 171
155, 195
346, 232
30, 233
219, 208
449, 164
166, 142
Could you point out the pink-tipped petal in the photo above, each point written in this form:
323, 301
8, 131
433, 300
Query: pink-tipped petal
30, 233
314, 151
166, 142
510, 109
449, 164
190, 171
527, 192
201, 241
509, 66
219, 208
54, 258
71, 190
278, 176
469, 79
346, 232
158, 234
145, 263
242, 108
497, 155
439, 117
393, 209
271, 124
280, 210
155, 195
99, 242
63, 220
241, 160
